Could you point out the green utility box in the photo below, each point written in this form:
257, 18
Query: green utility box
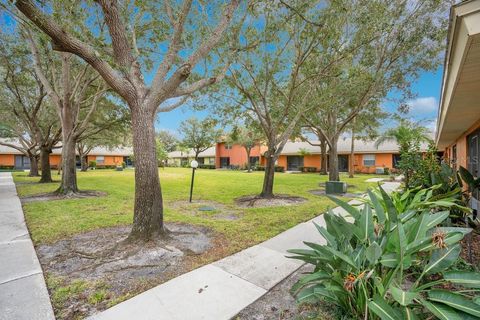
335, 187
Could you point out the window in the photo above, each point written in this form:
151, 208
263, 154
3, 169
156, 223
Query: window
368, 160
254, 161
100, 159
228, 146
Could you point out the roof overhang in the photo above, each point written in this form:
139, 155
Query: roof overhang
460, 96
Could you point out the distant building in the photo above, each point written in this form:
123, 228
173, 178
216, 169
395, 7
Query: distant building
183, 158
11, 158
297, 155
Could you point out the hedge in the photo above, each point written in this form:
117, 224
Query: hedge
206, 166
277, 168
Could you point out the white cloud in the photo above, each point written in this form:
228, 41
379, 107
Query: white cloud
423, 105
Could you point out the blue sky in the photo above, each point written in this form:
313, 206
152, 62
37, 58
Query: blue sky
422, 108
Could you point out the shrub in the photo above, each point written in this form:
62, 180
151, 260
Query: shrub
386, 171
92, 164
279, 169
260, 168
391, 261
206, 166
124, 165
106, 166
4, 167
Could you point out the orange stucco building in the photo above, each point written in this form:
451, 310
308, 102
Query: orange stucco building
367, 157
11, 158
297, 156
458, 125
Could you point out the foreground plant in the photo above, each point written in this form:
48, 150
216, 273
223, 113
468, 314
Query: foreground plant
389, 263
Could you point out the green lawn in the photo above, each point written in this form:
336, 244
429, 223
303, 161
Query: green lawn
49, 221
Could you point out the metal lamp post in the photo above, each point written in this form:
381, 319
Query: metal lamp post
194, 165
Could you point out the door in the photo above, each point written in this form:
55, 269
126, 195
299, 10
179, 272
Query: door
343, 163
224, 162
294, 162
395, 160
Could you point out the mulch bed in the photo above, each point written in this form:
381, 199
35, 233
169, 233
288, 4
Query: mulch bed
279, 304
207, 209
475, 249
256, 201
93, 271
55, 196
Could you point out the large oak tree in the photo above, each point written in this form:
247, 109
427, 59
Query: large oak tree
390, 44
26, 114
175, 37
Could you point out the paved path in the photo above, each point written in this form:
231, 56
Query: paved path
23, 294
222, 289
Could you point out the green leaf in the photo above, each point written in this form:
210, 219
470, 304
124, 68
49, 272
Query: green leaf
404, 298
354, 212
330, 238
392, 260
407, 215
373, 252
441, 311
382, 309
419, 230
402, 238
466, 176
342, 256
455, 301
379, 211
309, 278
389, 260
427, 244
337, 226
365, 224
442, 259
408, 314
464, 278
306, 295
465, 231
437, 218
359, 255
391, 210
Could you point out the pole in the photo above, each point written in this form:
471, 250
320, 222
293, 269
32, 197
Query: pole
191, 184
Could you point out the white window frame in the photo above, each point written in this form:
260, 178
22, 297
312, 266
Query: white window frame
369, 160
100, 159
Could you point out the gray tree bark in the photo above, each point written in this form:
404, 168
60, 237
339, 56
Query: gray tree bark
148, 210
33, 165
45, 165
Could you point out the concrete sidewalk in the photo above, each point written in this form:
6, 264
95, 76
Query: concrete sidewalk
222, 289
23, 294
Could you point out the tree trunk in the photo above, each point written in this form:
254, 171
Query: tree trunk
69, 167
148, 209
33, 166
351, 162
323, 160
84, 163
333, 174
45, 165
249, 165
267, 191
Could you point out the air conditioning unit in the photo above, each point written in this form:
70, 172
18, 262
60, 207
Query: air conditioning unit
335, 187
380, 170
